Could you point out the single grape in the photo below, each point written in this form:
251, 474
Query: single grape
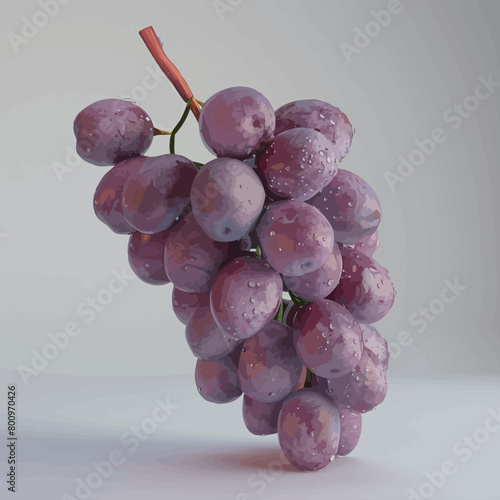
146, 256
350, 205
269, 367
185, 303
366, 245
227, 198
373, 341
245, 296
217, 379
204, 337
365, 288
298, 163
111, 130
361, 390
192, 259
327, 338
261, 418
157, 191
295, 237
320, 116
108, 198
350, 430
320, 283
309, 430
236, 121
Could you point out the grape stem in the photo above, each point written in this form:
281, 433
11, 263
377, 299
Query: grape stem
179, 125
167, 66
157, 131
299, 301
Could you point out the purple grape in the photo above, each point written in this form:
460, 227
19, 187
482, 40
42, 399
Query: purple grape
192, 259
309, 430
157, 191
350, 430
289, 313
112, 130
107, 199
320, 116
350, 205
295, 237
227, 198
245, 296
365, 288
269, 367
185, 303
319, 283
261, 418
327, 338
217, 379
361, 390
234, 122
204, 337
298, 164
146, 256
366, 245
373, 341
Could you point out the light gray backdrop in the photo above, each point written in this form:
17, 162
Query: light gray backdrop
427, 72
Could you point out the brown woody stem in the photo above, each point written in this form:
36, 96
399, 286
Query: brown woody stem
166, 65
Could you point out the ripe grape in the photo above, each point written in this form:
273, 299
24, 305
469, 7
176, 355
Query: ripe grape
327, 338
350, 430
192, 259
185, 303
157, 191
366, 245
245, 296
146, 256
204, 337
227, 198
309, 430
361, 390
108, 198
261, 418
235, 121
365, 288
295, 237
217, 379
350, 205
111, 130
298, 163
319, 283
269, 367
320, 116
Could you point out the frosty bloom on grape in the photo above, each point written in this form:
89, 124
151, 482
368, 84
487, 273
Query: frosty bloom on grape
131, 440
222, 7
31, 27
454, 116
420, 319
88, 310
463, 448
363, 37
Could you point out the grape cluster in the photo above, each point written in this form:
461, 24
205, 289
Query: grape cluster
269, 248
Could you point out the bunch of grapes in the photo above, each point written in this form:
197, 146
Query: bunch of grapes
269, 248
